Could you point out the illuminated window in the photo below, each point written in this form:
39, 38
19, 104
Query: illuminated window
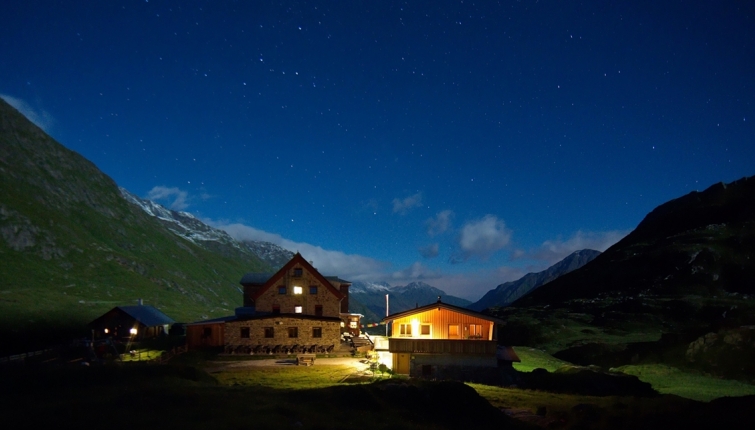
297, 290
313, 289
297, 309
282, 290
405, 330
475, 331
424, 329
453, 331
269, 332
245, 332
352, 324
343, 324
293, 332
316, 331
297, 272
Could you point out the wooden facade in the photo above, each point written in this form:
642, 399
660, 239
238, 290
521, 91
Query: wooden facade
444, 341
208, 334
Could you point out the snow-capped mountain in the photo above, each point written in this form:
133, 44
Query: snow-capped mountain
189, 227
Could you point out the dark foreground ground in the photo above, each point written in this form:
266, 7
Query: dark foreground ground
172, 396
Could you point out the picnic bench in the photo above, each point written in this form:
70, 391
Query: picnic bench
305, 359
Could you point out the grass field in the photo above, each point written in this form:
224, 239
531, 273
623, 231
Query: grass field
670, 380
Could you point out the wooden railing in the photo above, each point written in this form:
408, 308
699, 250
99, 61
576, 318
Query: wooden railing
442, 346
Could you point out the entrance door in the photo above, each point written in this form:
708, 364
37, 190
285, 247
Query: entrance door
401, 363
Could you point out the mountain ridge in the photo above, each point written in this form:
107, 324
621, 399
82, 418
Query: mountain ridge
508, 292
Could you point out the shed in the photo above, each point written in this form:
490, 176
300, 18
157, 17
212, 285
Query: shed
136, 322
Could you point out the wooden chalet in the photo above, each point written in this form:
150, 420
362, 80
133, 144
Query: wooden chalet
440, 340
134, 322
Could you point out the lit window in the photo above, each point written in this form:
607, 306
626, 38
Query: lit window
245, 332
424, 329
297, 290
352, 324
281, 290
313, 289
475, 331
293, 332
453, 331
343, 324
269, 332
405, 330
297, 309
316, 331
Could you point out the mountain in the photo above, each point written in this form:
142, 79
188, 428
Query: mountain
508, 292
371, 296
71, 246
702, 243
212, 239
678, 290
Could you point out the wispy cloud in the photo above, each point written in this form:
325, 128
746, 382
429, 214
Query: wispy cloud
40, 118
552, 251
174, 197
348, 266
417, 271
429, 251
440, 223
402, 206
481, 238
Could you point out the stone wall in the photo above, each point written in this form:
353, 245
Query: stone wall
331, 332
331, 305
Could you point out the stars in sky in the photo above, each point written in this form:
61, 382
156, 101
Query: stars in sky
461, 144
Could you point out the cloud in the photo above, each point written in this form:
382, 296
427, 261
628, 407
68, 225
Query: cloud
415, 272
429, 251
402, 206
176, 198
553, 251
41, 119
481, 238
347, 266
440, 224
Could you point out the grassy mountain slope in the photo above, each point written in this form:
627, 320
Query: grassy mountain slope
71, 247
508, 292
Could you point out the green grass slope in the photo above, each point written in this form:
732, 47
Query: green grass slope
71, 247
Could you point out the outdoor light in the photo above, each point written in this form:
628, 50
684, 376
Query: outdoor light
107, 331
133, 331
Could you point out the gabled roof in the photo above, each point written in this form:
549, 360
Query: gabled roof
147, 315
297, 259
440, 305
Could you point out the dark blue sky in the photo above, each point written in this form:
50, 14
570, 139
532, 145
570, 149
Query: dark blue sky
458, 143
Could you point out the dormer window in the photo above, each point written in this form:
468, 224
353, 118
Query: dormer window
297, 272
298, 290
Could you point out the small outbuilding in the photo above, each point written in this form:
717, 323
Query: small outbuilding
135, 322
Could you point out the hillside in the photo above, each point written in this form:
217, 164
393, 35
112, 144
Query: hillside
71, 247
508, 292
677, 290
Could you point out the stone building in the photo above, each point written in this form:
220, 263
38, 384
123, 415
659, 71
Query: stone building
295, 309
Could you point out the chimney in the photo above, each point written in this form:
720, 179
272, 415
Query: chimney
140, 302
344, 288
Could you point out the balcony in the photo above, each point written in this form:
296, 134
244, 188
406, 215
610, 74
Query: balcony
442, 346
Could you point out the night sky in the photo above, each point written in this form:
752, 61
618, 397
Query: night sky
462, 144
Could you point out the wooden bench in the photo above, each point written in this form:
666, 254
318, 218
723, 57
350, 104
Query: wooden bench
305, 359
